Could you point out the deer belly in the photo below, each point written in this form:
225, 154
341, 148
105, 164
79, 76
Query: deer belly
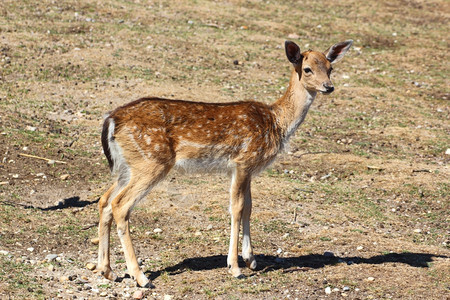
193, 157
203, 165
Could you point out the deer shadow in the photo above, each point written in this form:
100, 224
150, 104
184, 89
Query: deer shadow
70, 202
268, 263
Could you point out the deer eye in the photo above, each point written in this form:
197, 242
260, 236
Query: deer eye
307, 70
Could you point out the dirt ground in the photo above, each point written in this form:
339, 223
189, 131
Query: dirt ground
357, 208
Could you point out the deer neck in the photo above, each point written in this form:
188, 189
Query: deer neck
291, 109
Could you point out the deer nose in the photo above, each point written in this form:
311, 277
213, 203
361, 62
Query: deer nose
328, 87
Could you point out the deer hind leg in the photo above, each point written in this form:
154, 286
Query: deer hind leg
104, 230
139, 186
239, 184
247, 250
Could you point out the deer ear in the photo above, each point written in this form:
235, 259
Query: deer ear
336, 52
293, 52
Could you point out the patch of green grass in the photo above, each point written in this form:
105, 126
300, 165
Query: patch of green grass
276, 226
156, 237
186, 289
216, 219
18, 278
165, 277
43, 229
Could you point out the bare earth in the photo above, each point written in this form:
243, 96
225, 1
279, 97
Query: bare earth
357, 208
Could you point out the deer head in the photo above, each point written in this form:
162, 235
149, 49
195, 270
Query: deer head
313, 67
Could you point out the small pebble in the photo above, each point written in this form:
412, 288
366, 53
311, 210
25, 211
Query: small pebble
359, 248
104, 294
51, 268
417, 230
51, 257
4, 252
63, 279
209, 227
138, 294
327, 290
94, 241
31, 249
346, 289
293, 36
64, 176
168, 297
157, 230
370, 278
91, 266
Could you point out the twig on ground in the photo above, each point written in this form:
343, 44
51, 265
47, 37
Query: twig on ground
89, 226
422, 170
311, 153
6, 202
42, 158
212, 25
306, 191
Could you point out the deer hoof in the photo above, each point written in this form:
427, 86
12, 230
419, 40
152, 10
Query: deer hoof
251, 264
143, 281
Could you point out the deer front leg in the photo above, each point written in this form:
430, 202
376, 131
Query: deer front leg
232, 259
239, 184
247, 250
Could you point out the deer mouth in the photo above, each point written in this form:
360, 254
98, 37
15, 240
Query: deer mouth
326, 92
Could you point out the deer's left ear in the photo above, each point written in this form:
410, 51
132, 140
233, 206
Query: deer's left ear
336, 52
293, 52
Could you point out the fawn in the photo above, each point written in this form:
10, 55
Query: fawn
143, 140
